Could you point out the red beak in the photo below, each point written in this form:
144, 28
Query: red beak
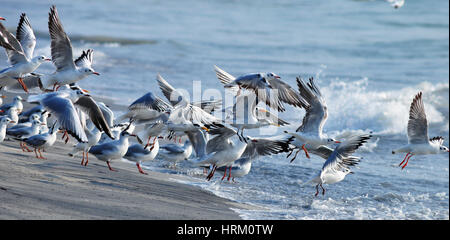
47, 59
96, 73
337, 141
2, 18
277, 76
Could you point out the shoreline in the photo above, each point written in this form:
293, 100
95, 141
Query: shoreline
60, 188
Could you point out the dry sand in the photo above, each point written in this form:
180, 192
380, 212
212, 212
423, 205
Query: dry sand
60, 188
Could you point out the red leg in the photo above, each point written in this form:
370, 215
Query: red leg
229, 174
20, 80
317, 190
140, 169
42, 157
109, 166
25, 146
404, 159
306, 151
82, 160
35, 151
407, 160
224, 174
87, 159
148, 141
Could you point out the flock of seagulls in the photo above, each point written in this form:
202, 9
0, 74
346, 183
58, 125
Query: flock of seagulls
199, 137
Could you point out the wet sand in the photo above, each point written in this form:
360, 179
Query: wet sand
60, 188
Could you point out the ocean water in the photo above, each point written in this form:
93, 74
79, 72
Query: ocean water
368, 59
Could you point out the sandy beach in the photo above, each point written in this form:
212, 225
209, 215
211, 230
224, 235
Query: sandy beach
60, 188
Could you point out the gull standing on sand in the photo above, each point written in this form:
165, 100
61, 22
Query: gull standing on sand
13, 114
93, 136
20, 53
260, 83
336, 167
23, 133
309, 135
418, 142
4, 121
138, 154
113, 150
67, 71
41, 141
33, 116
175, 153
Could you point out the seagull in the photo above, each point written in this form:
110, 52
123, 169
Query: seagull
151, 130
184, 116
13, 114
32, 117
245, 115
4, 121
175, 153
24, 133
42, 141
138, 154
63, 104
145, 109
309, 135
418, 142
397, 3
67, 71
17, 103
222, 150
260, 83
112, 150
93, 136
336, 167
20, 53
255, 148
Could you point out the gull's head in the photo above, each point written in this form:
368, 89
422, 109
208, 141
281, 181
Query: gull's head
6, 120
272, 76
88, 71
35, 122
35, 116
18, 98
347, 171
40, 59
332, 140
443, 149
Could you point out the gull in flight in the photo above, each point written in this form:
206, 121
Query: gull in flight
338, 162
309, 135
263, 85
67, 70
19, 50
418, 142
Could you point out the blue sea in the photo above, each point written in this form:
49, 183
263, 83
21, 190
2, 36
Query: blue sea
368, 59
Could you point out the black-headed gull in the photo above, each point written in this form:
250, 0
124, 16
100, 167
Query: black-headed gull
244, 114
41, 141
139, 154
255, 148
175, 153
263, 85
19, 50
418, 141
113, 150
339, 161
309, 135
23, 133
93, 136
67, 70
17, 103
4, 121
